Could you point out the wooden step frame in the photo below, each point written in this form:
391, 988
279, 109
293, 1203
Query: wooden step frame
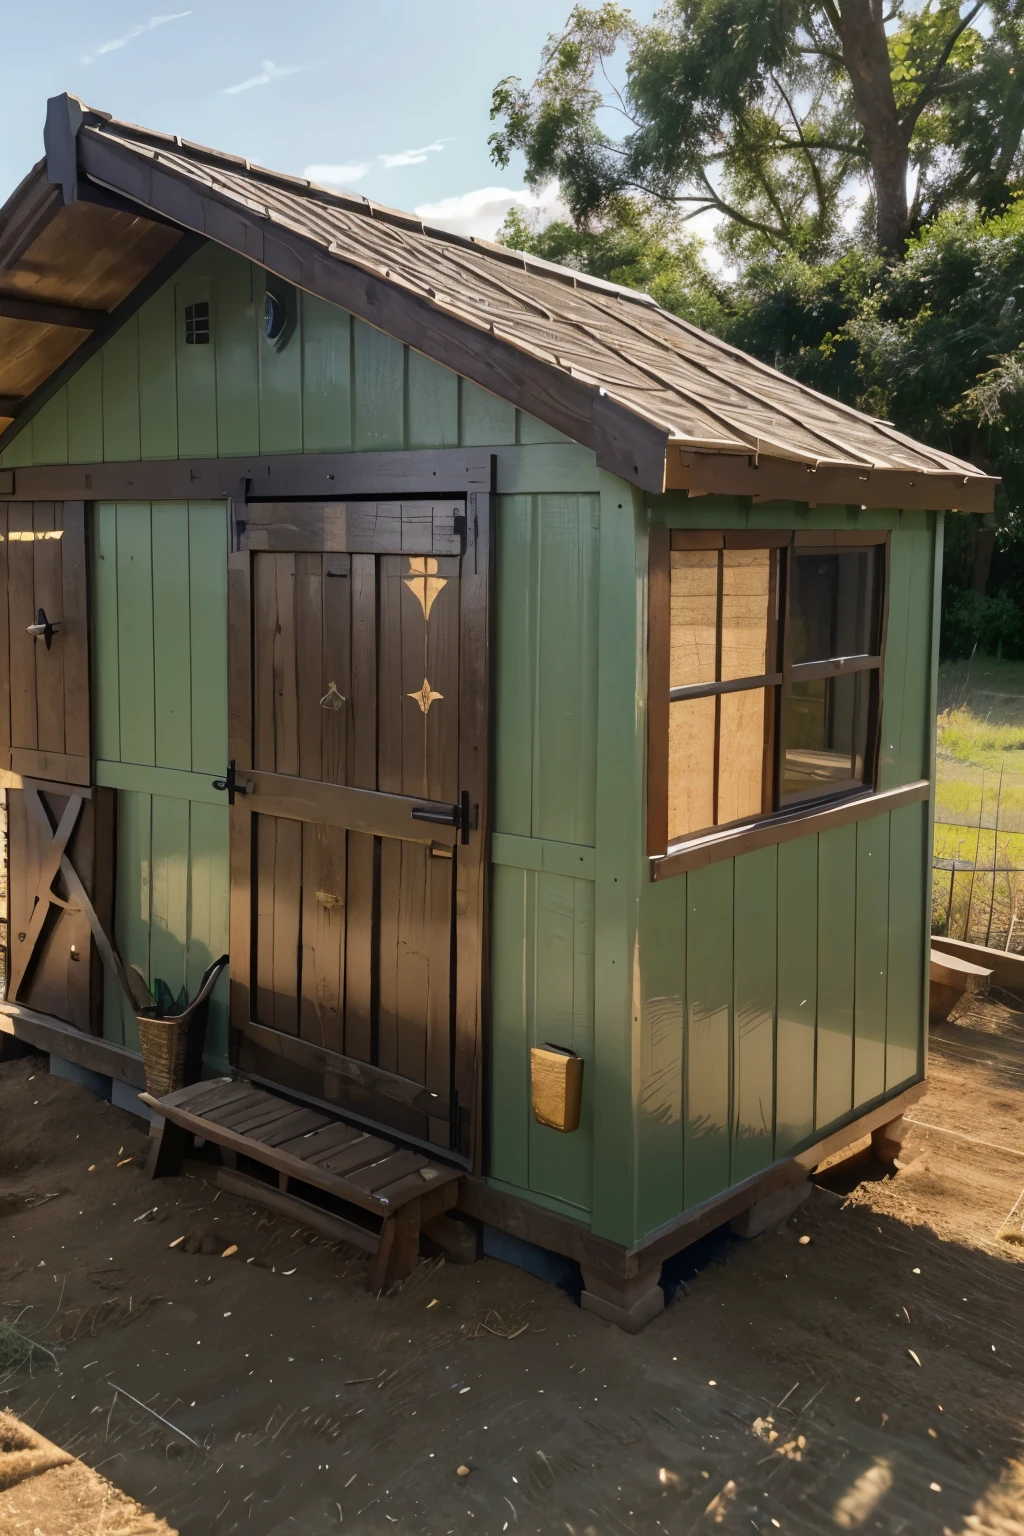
398, 1189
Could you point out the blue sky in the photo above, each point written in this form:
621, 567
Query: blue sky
386, 97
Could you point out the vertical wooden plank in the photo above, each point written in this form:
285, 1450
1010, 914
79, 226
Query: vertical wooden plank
50, 431
709, 1003
133, 907
105, 665
363, 873
333, 724
326, 377
565, 737
485, 419
321, 1011
280, 378
890, 763
287, 908
909, 891
49, 596
135, 633
286, 677
208, 628
438, 925
263, 931
19, 450
872, 958
5, 643
755, 961
120, 356
918, 723
515, 664
240, 747
413, 962
662, 1046
22, 611
196, 375
837, 916
158, 385
85, 413
512, 933
172, 650
209, 918
560, 1166
387, 913
618, 821
797, 999
75, 643
168, 941
237, 365
311, 684
432, 404
378, 405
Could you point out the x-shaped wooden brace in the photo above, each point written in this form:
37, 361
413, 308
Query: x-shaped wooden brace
55, 859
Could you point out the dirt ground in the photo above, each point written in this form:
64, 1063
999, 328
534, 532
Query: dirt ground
869, 1379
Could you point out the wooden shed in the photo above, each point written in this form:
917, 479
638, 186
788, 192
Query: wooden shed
486, 660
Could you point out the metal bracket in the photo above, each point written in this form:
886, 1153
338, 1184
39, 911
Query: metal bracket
231, 784
44, 628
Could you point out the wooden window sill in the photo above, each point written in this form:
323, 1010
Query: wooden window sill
780, 829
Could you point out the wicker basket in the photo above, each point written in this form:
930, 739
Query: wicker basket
172, 1048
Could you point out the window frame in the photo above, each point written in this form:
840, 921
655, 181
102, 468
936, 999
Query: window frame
779, 677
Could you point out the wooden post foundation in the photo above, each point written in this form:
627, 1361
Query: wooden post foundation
629, 1304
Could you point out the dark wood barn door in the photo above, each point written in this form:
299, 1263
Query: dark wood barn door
358, 664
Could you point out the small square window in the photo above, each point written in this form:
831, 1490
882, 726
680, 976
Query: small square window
197, 324
765, 667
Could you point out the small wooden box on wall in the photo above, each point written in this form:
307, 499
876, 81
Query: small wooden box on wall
556, 1080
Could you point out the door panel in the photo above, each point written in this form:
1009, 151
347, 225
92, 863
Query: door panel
354, 832
44, 690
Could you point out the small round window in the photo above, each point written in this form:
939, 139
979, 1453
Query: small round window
277, 315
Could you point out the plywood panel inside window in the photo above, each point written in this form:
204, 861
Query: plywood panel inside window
746, 595
691, 766
741, 755
694, 616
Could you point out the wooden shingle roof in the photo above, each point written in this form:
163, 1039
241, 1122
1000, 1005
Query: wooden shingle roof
660, 402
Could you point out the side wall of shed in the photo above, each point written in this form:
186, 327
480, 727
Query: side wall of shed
785, 989
159, 652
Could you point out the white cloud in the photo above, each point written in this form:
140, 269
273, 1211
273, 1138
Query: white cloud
411, 156
132, 33
336, 175
482, 212
270, 71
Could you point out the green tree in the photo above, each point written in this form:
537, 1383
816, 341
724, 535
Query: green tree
778, 114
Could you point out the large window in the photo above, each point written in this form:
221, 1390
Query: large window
765, 671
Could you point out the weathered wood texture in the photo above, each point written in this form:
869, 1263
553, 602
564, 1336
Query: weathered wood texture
55, 840
44, 690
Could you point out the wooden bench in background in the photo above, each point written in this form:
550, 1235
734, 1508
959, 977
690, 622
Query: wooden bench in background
390, 1191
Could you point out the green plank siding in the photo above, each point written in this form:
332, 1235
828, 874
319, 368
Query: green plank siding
798, 985
709, 1003
872, 958
755, 959
235, 353
121, 438
168, 938
662, 1044
50, 431
432, 404
158, 382
106, 686
484, 417
515, 664
85, 413
378, 389
909, 904
208, 625
511, 999
895, 675
172, 650
837, 911
136, 680
327, 377
280, 374
209, 891
132, 906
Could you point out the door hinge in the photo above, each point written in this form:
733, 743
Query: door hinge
231, 784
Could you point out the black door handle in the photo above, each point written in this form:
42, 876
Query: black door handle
231, 784
44, 628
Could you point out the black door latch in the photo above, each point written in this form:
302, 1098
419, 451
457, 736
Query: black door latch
231, 784
44, 628
447, 816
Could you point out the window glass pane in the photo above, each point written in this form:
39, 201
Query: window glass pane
741, 754
825, 734
694, 616
746, 592
691, 766
834, 605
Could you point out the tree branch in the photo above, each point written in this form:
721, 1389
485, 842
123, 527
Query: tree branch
927, 93
815, 170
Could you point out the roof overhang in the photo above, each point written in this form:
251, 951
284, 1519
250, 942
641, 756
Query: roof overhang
102, 222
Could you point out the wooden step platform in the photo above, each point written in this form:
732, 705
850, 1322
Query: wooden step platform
395, 1190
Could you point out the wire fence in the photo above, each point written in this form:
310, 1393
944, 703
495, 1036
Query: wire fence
978, 882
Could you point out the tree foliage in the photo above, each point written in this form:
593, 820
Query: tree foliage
782, 116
